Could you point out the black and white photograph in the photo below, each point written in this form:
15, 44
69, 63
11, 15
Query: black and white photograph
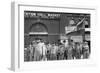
45, 37
52, 36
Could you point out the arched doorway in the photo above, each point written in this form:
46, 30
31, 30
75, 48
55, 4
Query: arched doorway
38, 31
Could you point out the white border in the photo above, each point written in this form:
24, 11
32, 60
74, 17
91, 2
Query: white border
18, 21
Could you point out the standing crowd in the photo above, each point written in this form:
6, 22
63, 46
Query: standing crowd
39, 50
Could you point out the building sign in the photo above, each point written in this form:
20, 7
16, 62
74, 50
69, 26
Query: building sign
77, 38
69, 29
42, 15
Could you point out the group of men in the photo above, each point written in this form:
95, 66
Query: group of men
39, 50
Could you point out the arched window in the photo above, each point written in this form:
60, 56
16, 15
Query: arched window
38, 28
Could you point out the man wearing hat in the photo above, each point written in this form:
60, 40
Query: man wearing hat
85, 50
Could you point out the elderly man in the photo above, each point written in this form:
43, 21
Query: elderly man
37, 53
40, 51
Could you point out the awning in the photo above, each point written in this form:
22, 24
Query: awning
38, 33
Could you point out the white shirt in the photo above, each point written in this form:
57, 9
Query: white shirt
41, 48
